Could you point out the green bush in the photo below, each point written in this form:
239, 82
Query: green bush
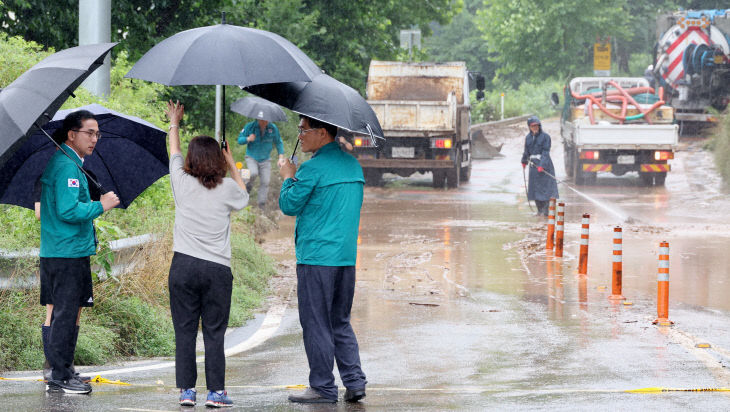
142, 329
252, 269
527, 99
721, 145
97, 344
21, 345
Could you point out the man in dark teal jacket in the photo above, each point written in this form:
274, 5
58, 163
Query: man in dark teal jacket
67, 241
325, 195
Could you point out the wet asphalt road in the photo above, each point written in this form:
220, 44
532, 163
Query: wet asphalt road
459, 308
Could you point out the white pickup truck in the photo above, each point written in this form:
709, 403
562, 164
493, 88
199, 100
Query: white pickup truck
616, 125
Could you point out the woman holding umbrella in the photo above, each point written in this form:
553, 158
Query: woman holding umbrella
200, 280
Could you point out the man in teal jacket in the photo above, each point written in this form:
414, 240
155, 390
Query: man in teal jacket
67, 241
261, 136
325, 195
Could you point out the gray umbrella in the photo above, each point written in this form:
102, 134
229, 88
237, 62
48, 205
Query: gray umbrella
38, 93
325, 99
258, 108
224, 54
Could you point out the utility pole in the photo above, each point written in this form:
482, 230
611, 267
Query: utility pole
95, 21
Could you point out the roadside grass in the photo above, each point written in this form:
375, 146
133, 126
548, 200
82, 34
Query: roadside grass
131, 316
720, 144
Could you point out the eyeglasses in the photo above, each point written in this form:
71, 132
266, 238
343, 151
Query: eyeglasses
91, 133
302, 131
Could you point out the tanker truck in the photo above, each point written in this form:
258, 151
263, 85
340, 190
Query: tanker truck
693, 62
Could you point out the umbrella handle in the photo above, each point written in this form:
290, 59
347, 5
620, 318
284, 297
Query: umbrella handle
88, 176
291, 159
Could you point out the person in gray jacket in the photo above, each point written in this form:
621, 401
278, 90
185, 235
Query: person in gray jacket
200, 278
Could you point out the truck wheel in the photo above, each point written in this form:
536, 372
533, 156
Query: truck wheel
373, 177
466, 173
439, 178
659, 178
647, 179
453, 175
569, 160
583, 178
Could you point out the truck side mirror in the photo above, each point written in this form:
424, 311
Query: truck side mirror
480, 84
480, 95
554, 99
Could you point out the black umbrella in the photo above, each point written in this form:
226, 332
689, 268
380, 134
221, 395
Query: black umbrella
258, 108
130, 156
327, 100
224, 54
36, 95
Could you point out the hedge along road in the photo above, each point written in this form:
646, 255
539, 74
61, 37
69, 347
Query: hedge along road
457, 308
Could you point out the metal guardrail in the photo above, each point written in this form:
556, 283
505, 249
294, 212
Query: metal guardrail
503, 122
114, 245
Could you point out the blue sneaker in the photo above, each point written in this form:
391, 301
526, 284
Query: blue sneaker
187, 397
218, 400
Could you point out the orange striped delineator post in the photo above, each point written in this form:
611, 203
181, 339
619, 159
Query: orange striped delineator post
662, 305
617, 264
551, 225
583, 258
559, 229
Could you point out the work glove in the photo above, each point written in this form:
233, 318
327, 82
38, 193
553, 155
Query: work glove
524, 165
540, 169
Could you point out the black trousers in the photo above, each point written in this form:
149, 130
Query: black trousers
71, 282
325, 296
542, 206
199, 289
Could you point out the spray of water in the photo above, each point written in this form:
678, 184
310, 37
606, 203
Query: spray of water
623, 216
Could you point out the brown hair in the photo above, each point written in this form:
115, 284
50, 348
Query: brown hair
205, 161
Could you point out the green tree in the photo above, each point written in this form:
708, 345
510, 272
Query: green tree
354, 32
136, 25
539, 39
461, 40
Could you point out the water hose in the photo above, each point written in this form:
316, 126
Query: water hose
621, 94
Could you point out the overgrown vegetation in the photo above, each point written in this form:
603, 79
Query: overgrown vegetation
131, 313
721, 146
526, 99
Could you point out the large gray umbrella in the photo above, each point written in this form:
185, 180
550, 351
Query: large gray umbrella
224, 54
38, 93
258, 108
327, 100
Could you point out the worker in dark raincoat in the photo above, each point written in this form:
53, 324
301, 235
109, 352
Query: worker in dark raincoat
541, 186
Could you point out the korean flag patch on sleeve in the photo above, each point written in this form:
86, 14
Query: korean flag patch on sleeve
73, 182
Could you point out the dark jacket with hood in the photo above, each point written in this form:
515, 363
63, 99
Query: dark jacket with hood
537, 150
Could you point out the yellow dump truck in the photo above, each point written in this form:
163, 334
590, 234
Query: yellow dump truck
423, 109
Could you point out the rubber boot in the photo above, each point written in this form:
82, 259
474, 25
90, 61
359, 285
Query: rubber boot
45, 334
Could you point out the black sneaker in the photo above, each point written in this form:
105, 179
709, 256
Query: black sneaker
310, 396
78, 376
68, 386
354, 395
